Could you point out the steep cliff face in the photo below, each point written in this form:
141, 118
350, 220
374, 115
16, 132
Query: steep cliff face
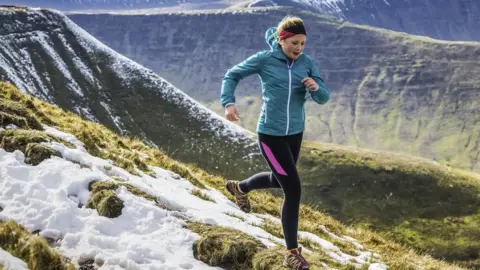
45, 54
390, 91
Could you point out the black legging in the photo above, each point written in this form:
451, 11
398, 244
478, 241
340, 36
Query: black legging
281, 154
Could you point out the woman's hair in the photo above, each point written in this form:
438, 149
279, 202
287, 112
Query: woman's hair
289, 22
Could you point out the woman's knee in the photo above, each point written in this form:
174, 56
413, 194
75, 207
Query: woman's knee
293, 190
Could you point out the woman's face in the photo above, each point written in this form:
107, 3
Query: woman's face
293, 46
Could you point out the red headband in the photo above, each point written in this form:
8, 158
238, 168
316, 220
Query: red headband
285, 34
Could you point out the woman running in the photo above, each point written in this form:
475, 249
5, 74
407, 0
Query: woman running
288, 78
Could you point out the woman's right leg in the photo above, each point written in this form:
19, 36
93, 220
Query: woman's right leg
262, 180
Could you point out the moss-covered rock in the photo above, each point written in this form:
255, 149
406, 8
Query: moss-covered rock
224, 247
34, 250
103, 197
106, 202
36, 153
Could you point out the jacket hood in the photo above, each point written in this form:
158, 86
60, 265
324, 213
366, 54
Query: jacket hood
271, 38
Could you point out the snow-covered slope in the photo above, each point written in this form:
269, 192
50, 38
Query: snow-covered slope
9, 262
51, 198
45, 54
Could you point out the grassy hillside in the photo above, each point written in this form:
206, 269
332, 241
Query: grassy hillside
390, 91
412, 200
29, 113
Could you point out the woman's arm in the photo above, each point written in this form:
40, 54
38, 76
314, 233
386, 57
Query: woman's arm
321, 95
252, 65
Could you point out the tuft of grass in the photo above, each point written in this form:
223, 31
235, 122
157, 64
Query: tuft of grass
7, 119
235, 216
18, 139
96, 186
224, 247
28, 141
269, 259
119, 179
14, 112
36, 153
106, 202
33, 250
201, 195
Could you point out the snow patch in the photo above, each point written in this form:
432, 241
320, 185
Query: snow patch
9, 262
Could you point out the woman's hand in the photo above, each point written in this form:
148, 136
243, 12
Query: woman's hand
310, 83
231, 113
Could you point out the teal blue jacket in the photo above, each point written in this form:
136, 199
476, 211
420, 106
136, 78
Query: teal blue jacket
283, 93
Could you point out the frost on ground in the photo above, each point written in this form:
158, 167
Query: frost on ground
50, 197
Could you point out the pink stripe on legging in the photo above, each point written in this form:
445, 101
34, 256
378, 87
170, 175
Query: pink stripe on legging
273, 160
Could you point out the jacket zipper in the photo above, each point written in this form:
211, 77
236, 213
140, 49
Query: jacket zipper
266, 112
289, 94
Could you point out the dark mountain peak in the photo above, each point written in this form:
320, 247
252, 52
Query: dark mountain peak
44, 53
